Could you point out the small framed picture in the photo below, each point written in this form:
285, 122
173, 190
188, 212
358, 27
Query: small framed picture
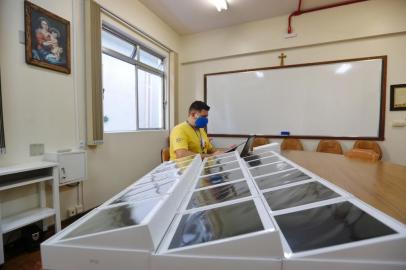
47, 39
398, 97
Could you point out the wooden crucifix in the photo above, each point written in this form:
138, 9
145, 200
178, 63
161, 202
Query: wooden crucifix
282, 57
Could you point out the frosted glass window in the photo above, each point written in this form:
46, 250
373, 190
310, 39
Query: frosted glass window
133, 85
282, 178
150, 100
119, 95
218, 223
329, 225
117, 44
151, 60
298, 195
219, 194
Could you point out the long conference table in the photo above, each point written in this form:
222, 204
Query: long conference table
380, 184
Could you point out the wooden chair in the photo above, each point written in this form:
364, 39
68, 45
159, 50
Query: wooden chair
258, 141
291, 144
369, 145
330, 146
165, 156
363, 154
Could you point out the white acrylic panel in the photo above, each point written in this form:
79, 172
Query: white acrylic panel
179, 262
341, 99
58, 257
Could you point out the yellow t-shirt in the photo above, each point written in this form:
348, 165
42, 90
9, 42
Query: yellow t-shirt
184, 136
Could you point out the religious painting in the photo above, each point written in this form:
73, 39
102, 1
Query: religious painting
398, 97
47, 39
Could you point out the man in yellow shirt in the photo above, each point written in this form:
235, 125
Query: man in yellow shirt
189, 138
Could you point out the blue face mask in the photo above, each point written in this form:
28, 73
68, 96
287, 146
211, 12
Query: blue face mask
201, 122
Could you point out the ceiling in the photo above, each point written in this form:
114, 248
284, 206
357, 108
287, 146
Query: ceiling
193, 16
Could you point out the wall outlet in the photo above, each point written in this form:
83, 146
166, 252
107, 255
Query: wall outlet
82, 145
71, 211
79, 208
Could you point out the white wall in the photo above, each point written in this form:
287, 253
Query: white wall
43, 106
366, 29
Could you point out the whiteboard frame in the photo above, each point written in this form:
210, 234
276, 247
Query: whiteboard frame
381, 132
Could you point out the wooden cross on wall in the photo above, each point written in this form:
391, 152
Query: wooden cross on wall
282, 57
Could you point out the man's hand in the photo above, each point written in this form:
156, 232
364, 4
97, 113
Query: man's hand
180, 153
231, 146
217, 152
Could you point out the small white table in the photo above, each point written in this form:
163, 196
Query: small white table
29, 174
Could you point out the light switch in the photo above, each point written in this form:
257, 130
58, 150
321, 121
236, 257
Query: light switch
399, 123
21, 37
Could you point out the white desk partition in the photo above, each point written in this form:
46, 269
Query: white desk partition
227, 212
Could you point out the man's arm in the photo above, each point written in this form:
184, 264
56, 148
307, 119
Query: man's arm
211, 150
180, 153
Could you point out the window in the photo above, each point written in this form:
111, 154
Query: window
133, 84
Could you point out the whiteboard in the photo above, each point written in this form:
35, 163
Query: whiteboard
340, 99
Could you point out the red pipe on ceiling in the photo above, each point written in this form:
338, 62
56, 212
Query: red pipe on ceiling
300, 12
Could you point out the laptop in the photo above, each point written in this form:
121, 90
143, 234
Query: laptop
232, 149
247, 147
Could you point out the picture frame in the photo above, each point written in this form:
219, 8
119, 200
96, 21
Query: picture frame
47, 39
398, 97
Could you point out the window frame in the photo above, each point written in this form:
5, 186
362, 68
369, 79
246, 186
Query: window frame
138, 46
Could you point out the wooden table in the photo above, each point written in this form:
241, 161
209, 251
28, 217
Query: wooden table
380, 184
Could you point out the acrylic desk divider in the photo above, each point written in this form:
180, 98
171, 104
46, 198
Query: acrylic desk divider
261, 212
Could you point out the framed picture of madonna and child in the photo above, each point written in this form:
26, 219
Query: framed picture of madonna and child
47, 39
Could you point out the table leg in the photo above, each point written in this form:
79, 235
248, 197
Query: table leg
55, 199
43, 203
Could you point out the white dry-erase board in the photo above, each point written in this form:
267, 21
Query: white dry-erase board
337, 99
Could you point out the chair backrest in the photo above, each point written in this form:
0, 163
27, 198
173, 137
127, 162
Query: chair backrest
291, 144
363, 154
165, 156
369, 145
258, 141
330, 146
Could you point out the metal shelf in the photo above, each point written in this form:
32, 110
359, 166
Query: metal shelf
19, 183
36, 173
20, 220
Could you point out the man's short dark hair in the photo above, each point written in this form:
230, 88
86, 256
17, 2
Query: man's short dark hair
199, 106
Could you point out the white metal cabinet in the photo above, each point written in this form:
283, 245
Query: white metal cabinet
72, 165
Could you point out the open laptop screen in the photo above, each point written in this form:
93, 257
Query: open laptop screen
247, 147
